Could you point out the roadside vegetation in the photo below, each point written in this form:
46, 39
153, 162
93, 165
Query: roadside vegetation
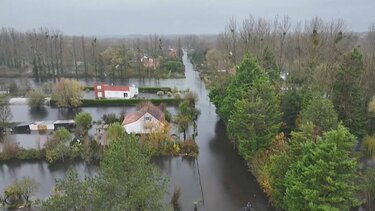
298, 121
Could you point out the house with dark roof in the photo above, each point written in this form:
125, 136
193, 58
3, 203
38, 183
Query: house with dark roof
115, 92
145, 120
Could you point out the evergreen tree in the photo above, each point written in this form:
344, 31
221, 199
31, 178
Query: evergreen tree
127, 180
291, 105
280, 164
268, 62
239, 86
321, 113
256, 119
348, 97
324, 178
70, 194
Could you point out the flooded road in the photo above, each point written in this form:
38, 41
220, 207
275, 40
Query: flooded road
218, 179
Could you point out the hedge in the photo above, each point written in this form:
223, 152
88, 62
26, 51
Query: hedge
127, 102
24, 154
154, 89
140, 89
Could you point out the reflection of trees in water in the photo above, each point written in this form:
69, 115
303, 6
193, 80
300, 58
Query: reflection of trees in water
39, 113
190, 161
164, 163
67, 113
220, 143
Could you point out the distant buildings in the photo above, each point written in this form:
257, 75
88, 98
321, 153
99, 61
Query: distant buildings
147, 119
115, 92
149, 62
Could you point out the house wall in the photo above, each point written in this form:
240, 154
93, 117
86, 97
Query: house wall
98, 89
139, 126
116, 94
133, 91
102, 92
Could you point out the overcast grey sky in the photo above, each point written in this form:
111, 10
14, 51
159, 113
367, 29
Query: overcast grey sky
123, 17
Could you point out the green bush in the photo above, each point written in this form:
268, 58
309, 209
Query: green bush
126, 102
174, 66
154, 89
174, 90
31, 154
36, 99
160, 93
83, 122
140, 89
177, 95
189, 147
110, 118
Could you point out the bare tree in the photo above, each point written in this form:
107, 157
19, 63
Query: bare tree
75, 55
5, 113
84, 55
232, 28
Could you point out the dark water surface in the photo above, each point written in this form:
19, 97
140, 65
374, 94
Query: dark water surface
226, 183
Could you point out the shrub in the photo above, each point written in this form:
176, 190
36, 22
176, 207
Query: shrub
174, 90
126, 102
177, 95
47, 88
56, 148
10, 149
83, 122
110, 118
153, 89
169, 94
30, 154
160, 93
168, 116
36, 99
13, 88
67, 93
369, 146
189, 147
174, 66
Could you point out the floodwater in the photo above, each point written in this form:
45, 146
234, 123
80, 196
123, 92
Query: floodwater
218, 179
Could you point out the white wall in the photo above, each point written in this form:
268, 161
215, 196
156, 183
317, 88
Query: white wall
138, 127
133, 91
116, 94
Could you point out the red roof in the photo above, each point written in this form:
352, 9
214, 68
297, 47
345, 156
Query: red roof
116, 88
148, 108
111, 88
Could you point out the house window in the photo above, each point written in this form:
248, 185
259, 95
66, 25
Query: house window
147, 118
125, 94
99, 87
100, 94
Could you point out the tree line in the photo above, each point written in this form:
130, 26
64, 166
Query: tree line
46, 53
309, 52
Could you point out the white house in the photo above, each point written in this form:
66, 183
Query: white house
145, 120
115, 92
